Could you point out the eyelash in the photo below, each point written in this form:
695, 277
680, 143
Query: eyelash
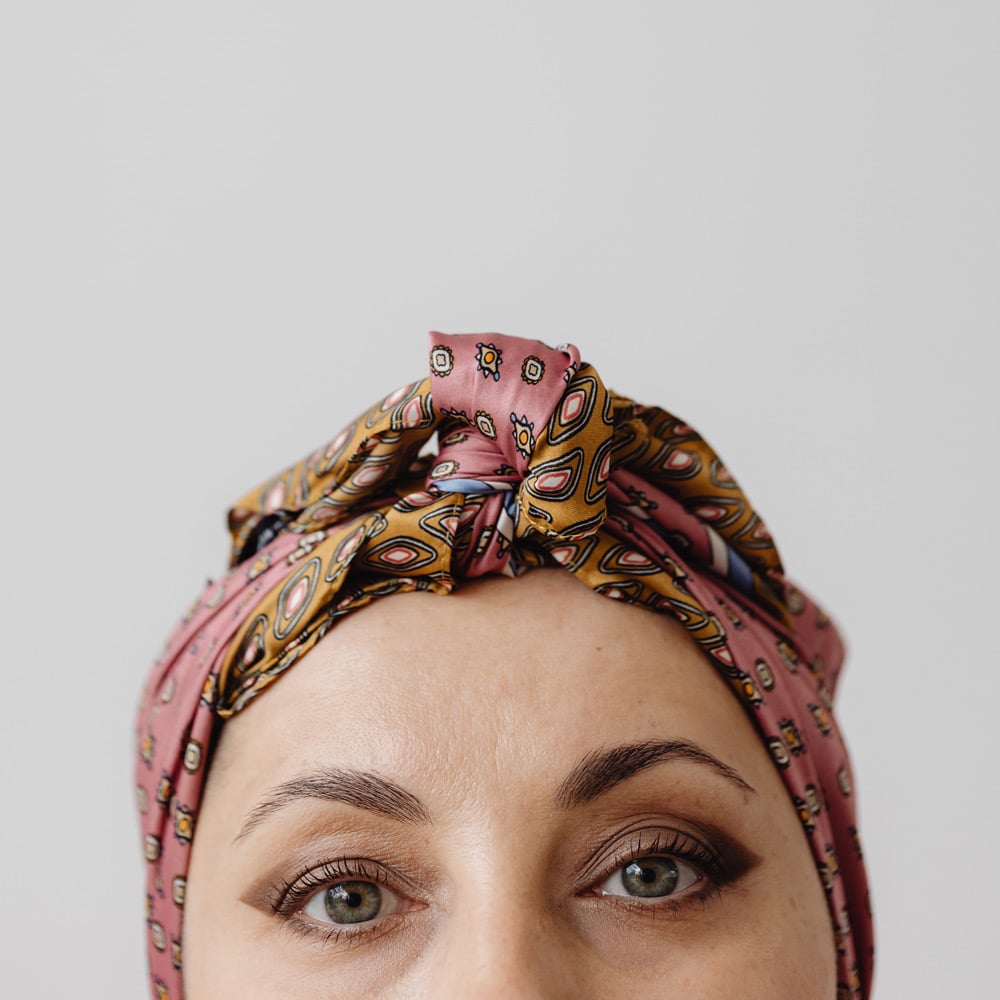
712, 868
291, 896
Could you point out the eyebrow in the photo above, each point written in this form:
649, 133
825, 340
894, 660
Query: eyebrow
602, 769
596, 774
361, 789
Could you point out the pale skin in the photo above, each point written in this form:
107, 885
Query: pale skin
426, 806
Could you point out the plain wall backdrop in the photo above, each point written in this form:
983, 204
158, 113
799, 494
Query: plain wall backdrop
225, 228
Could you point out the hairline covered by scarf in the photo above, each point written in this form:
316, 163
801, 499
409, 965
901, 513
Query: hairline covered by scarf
537, 463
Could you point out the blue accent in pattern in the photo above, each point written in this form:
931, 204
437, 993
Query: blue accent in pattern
475, 487
739, 572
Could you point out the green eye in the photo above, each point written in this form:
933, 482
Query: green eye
350, 903
651, 878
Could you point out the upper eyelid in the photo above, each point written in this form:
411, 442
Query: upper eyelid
324, 876
712, 867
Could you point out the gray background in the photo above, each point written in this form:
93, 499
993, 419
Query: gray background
225, 228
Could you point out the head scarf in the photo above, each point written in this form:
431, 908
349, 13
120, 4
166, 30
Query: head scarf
535, 463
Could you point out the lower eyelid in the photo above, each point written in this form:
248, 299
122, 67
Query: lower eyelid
341, 935
696, 897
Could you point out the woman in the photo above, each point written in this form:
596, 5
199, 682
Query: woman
526, 790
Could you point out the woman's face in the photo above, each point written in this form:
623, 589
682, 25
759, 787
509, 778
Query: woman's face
521, 790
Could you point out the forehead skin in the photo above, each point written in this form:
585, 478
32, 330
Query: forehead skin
480, 704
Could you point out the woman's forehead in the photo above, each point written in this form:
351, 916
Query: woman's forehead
516, 678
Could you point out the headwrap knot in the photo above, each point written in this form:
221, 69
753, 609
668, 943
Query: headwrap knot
522, 425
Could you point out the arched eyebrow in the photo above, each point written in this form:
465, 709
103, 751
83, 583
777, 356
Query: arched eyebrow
362, 789
602, 769
596, 774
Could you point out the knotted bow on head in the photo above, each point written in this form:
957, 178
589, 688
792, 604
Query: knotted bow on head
537, 463
532, 427
531, 441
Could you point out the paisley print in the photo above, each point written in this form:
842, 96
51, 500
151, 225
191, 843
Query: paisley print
552, 468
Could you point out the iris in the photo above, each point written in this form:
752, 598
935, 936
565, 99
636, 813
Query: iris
650, 877
352, 902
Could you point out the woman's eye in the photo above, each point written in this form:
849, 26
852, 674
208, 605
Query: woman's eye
650, 878
352, 902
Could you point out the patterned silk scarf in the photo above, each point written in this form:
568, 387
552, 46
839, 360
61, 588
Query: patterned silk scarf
508, 455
